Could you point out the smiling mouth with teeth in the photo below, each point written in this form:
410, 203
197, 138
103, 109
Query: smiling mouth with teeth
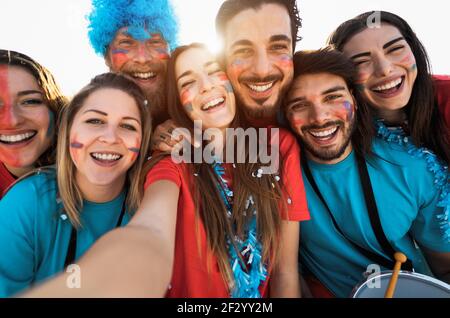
213, 103
325, 134
15, 139
389, 87
105, 157
143, 76
260, 88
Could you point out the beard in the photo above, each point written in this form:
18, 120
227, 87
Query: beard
260, 111
157, 102
155, 93
328, 154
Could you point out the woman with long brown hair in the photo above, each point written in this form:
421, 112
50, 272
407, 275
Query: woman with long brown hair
395, 79
236, 228
207, 227
50, 217
30, 102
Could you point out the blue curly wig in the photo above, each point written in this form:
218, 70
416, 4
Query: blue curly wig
108, 16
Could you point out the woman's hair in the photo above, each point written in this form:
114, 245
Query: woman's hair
426, 124
266, 191
331, 61
53, 97
69, 191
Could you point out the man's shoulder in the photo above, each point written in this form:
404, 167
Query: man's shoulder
405, 156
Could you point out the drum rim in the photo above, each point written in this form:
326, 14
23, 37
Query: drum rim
438, 282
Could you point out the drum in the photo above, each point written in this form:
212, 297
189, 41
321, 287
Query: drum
409, 285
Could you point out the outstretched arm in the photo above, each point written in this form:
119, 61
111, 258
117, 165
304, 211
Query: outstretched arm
134, 261
285, 279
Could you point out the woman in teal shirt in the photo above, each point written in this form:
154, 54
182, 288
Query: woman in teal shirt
51, 217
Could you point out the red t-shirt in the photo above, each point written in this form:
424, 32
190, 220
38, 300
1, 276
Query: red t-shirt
442, 94
190, 272
6, 179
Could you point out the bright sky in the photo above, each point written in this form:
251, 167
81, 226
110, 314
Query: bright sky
54, 31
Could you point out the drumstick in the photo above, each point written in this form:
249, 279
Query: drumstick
400, 258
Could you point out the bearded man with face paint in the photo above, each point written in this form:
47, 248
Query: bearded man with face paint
259, 38
135, 38
345, 167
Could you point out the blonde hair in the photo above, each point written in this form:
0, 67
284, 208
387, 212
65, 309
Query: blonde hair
69, 192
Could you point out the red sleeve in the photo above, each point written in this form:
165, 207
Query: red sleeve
165, 169
442, 94
6, 179
292, 178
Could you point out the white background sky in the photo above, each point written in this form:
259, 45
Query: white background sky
54, 31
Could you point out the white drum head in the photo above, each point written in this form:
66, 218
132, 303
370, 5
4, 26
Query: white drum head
409, 285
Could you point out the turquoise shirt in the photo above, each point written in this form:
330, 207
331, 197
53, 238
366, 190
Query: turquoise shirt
406, 198
35, 232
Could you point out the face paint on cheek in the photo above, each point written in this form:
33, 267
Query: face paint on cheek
413, 67
285, 61
75, 148
296, 122
162, 54
237, 66
6, 107
223, 78
186, 100
349, 109
119, 58
228, 87
135, 151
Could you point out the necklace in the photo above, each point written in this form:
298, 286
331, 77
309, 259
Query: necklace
434, 164
248, 269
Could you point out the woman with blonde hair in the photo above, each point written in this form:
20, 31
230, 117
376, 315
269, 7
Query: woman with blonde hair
51, 217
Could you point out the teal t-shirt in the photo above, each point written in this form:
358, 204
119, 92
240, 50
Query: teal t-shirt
35, 232
406, 197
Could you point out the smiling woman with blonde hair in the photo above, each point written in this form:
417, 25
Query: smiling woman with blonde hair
51, 217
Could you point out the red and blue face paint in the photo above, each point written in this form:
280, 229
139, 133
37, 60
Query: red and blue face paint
5, 100
284, 61
162, 54
186, 99
349, 108
135, 150
223, 78
119, 58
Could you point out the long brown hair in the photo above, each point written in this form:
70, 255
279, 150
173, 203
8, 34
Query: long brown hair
68, 189
265, 191
426, 124
53, 97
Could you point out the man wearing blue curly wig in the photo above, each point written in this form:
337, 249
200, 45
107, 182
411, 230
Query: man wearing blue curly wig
135, 38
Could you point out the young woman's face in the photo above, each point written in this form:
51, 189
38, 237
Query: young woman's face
26, 122
386, 65
204, 89
105, 137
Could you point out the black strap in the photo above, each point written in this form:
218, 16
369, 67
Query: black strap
372, 208
71, 251
373, 213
